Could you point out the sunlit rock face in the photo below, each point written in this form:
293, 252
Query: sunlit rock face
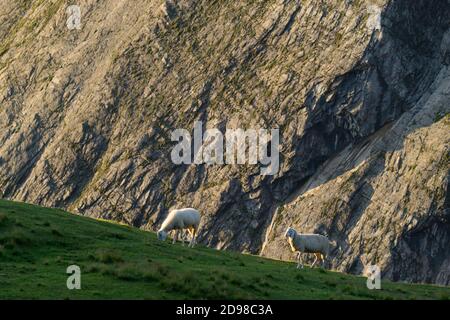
360, 91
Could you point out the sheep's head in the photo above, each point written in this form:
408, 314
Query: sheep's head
162, 235
290, 233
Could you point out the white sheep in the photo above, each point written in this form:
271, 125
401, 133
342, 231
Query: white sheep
179, 220
308, 243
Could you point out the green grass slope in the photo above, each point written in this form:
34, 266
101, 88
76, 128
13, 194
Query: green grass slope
118, 262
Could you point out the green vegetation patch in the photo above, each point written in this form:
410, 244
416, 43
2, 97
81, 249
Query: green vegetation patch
118, 262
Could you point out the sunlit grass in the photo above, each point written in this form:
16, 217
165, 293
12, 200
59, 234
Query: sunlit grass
117, 262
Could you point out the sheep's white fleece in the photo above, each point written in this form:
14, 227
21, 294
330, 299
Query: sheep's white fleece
310, 243
181, 219
307, 242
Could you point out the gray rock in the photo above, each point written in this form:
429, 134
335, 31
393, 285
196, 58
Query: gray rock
361, 100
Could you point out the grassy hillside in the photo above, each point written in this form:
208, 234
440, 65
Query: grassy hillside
38, 244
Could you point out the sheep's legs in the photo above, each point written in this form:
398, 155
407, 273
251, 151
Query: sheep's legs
183, 235
190, 232
315, 260
193, 234
299, 262
175, 237
191, 244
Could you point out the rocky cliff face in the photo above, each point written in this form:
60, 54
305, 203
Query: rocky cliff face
360, 91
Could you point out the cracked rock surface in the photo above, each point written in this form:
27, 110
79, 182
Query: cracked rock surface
360, 91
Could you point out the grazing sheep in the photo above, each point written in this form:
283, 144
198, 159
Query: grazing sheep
308, 243
181, 219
